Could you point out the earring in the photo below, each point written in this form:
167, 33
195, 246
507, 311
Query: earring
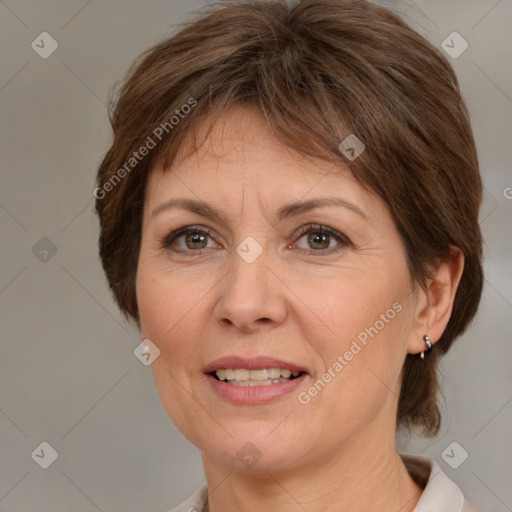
428, 342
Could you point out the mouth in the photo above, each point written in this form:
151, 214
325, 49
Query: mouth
254, 381
261, 377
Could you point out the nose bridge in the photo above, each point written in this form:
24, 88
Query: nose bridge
250, 294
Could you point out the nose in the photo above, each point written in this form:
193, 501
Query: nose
251, 296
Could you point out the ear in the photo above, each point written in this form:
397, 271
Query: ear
434, 305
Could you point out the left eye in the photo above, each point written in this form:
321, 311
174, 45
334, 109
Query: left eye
321, 238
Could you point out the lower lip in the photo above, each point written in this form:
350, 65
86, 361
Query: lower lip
254, 394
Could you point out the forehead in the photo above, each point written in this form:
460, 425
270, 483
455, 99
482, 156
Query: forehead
240, 135
240, 158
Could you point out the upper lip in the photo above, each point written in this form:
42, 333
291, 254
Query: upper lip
254, 363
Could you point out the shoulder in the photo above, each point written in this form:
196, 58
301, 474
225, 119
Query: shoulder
196, 503
469, 507
440, 494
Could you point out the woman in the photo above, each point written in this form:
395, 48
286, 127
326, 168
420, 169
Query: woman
289, 212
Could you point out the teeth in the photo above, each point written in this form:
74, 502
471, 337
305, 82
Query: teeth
246, 383
274, 373
242, 374
259, 376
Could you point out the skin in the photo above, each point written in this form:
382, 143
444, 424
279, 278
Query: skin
338, 452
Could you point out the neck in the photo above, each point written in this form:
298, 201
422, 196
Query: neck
362, 474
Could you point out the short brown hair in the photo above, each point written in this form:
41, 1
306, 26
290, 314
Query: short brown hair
317, 70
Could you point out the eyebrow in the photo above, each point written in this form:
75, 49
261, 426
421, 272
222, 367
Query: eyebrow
289, 210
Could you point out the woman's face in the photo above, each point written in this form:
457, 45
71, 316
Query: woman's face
322, 290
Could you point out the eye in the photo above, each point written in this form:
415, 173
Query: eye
188, 239
195, 240
321, 239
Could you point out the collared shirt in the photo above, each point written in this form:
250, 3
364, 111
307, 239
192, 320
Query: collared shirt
440, 494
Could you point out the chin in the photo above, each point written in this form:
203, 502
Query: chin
252, 450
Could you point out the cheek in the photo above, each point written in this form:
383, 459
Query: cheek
364, 321
352, 307
167, 319
165, 307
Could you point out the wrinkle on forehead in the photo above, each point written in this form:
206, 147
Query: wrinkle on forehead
240, 136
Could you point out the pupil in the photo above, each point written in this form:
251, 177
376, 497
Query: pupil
195, 238
318, 239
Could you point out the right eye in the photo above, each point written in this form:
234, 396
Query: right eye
189, 239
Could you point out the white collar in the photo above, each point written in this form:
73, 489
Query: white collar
440, 494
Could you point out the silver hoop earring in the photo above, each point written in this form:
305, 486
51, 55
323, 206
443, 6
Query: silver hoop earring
428, 342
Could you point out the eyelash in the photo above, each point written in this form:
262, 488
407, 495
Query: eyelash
168, 240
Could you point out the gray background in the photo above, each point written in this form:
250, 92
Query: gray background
68, 375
